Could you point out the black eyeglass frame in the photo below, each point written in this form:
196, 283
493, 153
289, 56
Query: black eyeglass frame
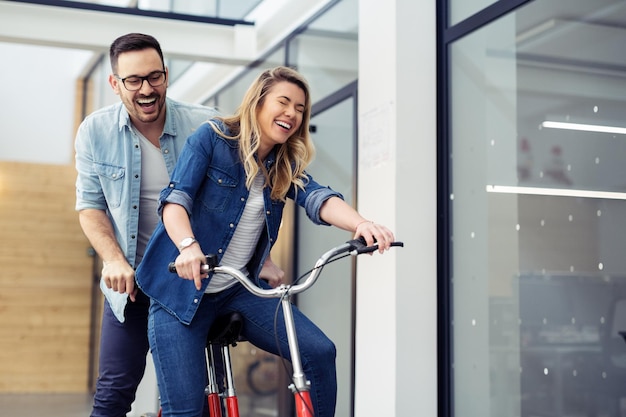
145, 78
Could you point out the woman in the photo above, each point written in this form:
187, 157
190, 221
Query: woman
226, 196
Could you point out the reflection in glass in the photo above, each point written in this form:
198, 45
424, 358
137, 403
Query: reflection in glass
538, 225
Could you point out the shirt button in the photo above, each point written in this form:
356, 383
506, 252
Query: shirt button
219, 251
166, 151
243, 199
114, 175
231, 225
219, 181
268, 212
195, 301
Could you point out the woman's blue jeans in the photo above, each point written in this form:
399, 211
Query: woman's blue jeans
178, 349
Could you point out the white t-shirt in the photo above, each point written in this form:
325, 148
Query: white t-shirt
154, 178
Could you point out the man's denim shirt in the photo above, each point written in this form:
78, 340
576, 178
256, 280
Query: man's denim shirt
108, 161
209, 181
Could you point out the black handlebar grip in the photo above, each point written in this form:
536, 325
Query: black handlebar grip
357, 243
211, 262
360, 246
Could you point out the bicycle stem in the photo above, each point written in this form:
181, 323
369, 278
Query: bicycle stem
299, 380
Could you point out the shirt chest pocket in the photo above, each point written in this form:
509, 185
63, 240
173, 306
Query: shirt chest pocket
218, 189
112, 182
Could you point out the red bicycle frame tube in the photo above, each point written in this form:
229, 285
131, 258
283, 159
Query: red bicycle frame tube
304, 408
215, 408
232, 405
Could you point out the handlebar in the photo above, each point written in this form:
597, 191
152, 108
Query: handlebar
353, 247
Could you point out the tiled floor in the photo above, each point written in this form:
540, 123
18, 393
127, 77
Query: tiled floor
45, 405
79, 405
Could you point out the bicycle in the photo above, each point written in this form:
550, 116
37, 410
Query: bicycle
225, 331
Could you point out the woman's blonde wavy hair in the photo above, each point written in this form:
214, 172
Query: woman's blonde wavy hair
293, 156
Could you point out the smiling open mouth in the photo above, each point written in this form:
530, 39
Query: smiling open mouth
146, 102
283, 125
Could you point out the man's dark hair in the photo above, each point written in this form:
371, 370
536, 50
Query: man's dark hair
133, 42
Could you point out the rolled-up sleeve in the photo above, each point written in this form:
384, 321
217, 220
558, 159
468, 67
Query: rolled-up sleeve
315, 199
88, 188
171, 195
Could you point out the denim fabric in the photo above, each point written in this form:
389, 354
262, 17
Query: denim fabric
178, 349
123, 350
108, 161
209, 181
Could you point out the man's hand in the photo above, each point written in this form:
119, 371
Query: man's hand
120, 277
117, 274
272, 273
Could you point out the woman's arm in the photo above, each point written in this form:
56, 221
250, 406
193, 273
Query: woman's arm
178, 227
340, 214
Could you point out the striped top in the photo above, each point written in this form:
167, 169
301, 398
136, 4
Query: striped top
245, 239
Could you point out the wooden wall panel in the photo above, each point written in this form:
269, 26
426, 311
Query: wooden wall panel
45, 282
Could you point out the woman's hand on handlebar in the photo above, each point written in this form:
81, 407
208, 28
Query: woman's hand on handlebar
375, 233
337, 212
272, 273
188, 264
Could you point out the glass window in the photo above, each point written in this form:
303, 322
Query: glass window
462, 9
229, 99
326, 53
177, 68
537, 198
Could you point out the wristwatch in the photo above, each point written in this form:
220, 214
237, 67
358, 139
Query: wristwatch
186, 242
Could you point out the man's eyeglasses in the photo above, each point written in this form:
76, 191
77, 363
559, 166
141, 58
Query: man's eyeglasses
134, 82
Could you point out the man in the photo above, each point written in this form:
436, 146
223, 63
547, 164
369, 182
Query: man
124, 155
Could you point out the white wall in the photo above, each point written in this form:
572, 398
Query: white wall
37, 106
396, 346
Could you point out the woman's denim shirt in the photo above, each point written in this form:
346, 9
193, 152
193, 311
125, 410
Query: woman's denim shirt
209, 181
108, 162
